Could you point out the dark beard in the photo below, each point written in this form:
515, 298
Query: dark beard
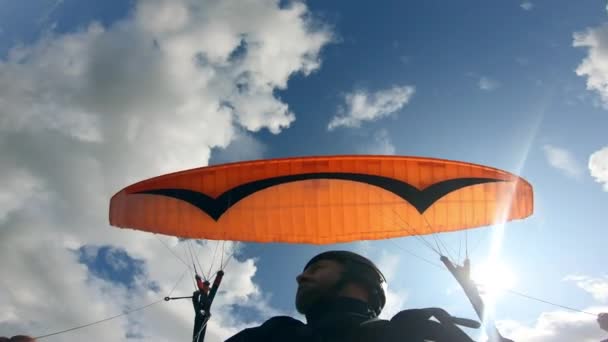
307, 298
311, 294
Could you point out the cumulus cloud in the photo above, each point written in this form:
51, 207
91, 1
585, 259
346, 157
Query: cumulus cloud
595, 286
47, 14
243, 147
389, 265
380, 144
595, 68
19, 186
595, 65
488, 84
564, 326
86, 113
563, 160
598, 166
527, 6
365, 106
395, 296
555, 326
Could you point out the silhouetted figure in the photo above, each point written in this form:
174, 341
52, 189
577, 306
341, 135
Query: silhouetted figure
18, 338
602, 320
341, 294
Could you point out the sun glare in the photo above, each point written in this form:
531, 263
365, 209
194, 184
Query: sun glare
493, 278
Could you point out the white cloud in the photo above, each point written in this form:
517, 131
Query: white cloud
563, 160
560, 325
243, 147
595, 65
47, 14
527, 5
598, 166
597, 287
86, 113
389, 265
395, 296
555, 326
17, 186
364, 106
488, 84
381, 144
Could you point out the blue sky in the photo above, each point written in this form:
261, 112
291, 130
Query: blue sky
96, 96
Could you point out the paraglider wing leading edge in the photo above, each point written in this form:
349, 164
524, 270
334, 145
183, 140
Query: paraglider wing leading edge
323, 199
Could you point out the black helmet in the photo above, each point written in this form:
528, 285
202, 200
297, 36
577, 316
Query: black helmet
360, 270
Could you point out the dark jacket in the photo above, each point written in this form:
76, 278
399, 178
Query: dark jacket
351, 320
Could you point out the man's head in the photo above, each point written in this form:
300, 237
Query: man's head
340, 273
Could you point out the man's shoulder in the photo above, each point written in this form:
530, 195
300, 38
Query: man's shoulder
272, 329
282, 321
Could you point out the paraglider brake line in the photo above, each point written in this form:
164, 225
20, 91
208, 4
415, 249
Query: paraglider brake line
97, 322
513, 292
199, 333
172, 252
437, 239
208, 274
550, 303
189, 245
415, 234
128, 312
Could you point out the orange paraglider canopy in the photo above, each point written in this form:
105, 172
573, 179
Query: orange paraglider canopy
320, 200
